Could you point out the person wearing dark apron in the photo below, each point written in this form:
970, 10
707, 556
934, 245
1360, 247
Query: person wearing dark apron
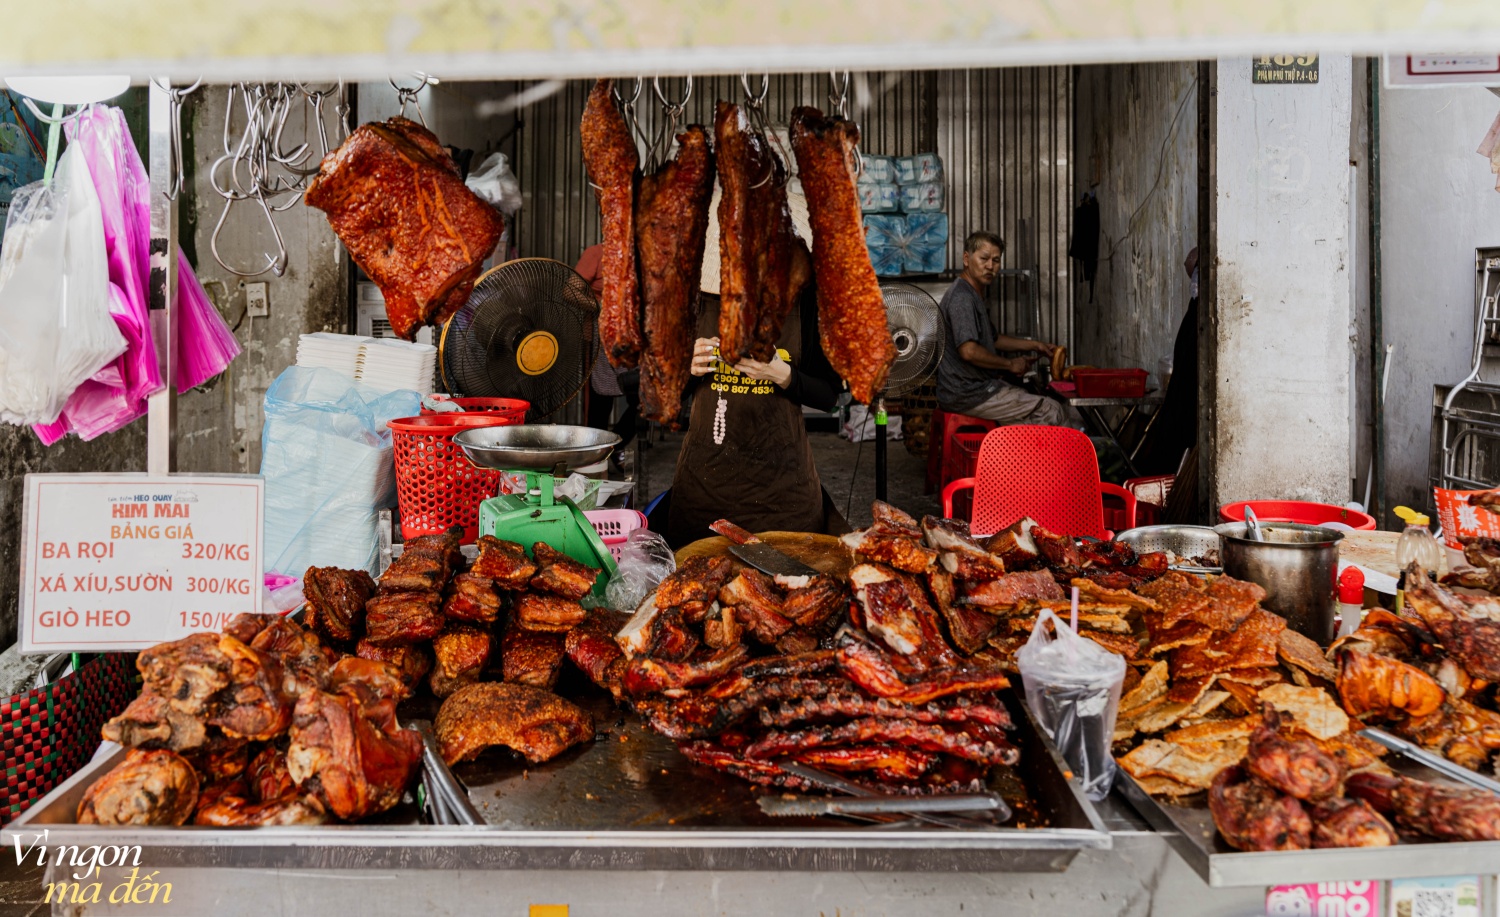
746, 457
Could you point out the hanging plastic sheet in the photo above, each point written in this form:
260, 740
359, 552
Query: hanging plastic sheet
204, 343
55, 324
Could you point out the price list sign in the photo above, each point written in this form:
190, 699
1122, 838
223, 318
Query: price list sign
126, 561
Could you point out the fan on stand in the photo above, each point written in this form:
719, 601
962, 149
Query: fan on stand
526, 331
917, 330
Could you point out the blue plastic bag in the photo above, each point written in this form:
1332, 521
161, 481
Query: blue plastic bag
327, 459
926, 243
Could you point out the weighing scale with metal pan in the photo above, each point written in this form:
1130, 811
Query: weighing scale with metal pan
540, 452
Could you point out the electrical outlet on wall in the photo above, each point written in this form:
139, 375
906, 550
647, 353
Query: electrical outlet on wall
257, 300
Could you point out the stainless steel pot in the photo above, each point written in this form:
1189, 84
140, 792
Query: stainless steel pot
1297, 565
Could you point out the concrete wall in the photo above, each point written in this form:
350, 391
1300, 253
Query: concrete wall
219, 424
1136, 149
1438, 203
1284, 293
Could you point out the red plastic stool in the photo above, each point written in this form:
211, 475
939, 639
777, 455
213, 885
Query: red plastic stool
945, 461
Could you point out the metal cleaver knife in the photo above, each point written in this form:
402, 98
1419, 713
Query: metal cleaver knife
758, 554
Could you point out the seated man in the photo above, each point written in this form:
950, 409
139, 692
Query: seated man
969, 376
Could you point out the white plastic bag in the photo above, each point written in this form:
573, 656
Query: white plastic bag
56, 330
644, 562
1073, 689
328, 462
497, 184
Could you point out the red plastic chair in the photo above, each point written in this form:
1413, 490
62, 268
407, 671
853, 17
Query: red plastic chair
945, 461
1048, 473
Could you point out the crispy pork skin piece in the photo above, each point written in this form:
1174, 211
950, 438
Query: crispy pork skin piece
905, 554
895, 609
1012, 588
423, 565
671, 232
1252, 816
245, 625
537, 724
349, 740
593, 649
816, 603
529, 657
189, 672
152, 722
403, 617
645, 675
560, 574
505, 562
550, 613
699, 579
1343, 822
1296, 767
255, 704
398, 202
413, 662
1471, 639
969, 626
336, 601
472, 599
1442, 812
150, 787
851, 308
881, 674
609, 153
304, 659
267, 776
462, 651
230, 811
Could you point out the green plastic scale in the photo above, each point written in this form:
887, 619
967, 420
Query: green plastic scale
540, 452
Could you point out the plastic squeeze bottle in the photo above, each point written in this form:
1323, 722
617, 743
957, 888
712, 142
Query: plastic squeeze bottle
1351, 600
1416, 544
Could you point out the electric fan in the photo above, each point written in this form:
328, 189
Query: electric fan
917, 330
527, 331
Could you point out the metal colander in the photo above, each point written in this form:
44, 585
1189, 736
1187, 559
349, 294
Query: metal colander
1182, 540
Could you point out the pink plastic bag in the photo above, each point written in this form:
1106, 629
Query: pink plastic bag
117, 395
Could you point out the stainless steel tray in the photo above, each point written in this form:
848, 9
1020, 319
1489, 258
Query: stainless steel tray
628, 801
1190, 831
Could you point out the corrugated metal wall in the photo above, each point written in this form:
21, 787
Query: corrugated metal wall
1004, 135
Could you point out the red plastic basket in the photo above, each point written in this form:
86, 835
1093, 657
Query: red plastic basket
1110, 383
437, 487
513, 409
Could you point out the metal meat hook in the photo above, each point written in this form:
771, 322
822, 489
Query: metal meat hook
276, 265
406, 95
179, 168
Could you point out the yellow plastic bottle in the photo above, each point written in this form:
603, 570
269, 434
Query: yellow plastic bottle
1416, 545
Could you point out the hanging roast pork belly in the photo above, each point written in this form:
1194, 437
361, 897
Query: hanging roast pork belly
397, 201
610, 155
851, 308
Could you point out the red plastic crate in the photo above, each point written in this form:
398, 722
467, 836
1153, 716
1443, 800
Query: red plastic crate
1110, 383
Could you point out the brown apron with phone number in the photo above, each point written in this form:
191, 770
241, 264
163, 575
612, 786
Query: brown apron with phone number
746, 457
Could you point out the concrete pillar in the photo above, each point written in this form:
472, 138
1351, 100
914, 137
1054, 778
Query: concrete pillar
1282, 304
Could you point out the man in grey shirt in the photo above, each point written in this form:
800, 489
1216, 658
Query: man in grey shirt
968, 377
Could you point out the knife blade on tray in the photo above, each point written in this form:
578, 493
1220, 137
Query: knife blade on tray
763, 557
1436, 762
1001, 812
880, 805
